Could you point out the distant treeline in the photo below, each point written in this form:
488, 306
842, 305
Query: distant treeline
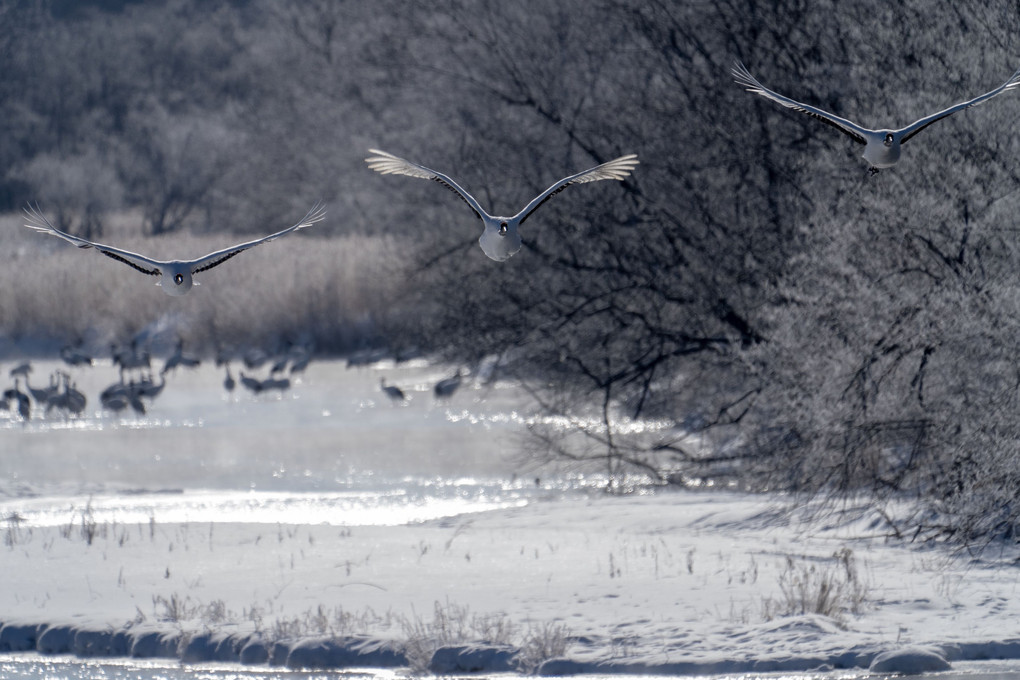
807, 327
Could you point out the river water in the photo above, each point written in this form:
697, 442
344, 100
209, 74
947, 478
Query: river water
35, 667
332, 430
332, 449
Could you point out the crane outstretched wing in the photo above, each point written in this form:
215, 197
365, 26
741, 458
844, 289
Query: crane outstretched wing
316, 214
388, 164
751, 84
919, 125
38, 221
618, 169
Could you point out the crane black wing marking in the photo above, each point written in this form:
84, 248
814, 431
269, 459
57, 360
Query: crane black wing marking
852, 135
217, 262
151, 272
744, 78
617, 169
917, 126
542, 202
446, 184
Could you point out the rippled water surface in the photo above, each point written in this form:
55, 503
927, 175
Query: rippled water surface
332, 449
332, 430
34, 667
414, 501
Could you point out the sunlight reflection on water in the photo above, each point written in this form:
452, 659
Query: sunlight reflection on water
410, 501
36, 667
592, 424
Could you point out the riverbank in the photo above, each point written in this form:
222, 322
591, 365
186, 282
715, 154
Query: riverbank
665, 583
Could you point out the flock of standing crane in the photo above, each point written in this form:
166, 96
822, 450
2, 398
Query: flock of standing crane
137, 385
60, 394
443, 389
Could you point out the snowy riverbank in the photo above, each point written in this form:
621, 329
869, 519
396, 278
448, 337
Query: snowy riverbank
664, 583
327, 526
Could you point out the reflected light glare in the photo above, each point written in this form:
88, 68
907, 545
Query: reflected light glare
389, 507
560, 422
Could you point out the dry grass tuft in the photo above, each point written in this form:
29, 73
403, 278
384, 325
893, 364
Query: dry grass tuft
832, 589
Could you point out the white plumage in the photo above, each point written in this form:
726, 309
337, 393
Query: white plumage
175, 276
881, 147
500, 238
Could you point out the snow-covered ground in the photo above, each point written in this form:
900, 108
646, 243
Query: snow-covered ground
317, 551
